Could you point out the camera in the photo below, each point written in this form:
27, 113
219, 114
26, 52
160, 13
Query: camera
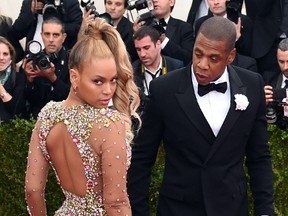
39, 58
89, 5
52, 8
233, 11
142, 4
275, 110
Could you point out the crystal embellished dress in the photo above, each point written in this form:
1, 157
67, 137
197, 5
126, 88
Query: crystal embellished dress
105, 156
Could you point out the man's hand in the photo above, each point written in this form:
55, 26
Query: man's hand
36, 6
32, 72
268, 93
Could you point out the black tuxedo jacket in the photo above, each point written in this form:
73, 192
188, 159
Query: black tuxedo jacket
244, 43
193, 11
125, 29
267, 22
203, 174
245, 62
273, 78
181, 40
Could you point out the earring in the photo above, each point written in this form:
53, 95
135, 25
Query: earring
75, 89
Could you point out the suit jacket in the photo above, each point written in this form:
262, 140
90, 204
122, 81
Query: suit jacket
267, 22
181, 40
26, 23
273, 78
203, 174
193, 11
245, 62
244, 43
125, 28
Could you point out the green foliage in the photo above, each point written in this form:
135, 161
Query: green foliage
14, 139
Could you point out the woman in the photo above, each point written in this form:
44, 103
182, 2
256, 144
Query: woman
87, 143
5, 27
12, 100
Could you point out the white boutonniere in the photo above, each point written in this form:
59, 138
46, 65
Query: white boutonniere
241, 102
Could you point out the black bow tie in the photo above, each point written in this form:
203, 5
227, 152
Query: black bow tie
204, 89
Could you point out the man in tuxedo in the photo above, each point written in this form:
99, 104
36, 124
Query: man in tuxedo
151, 64
116, 9
279, 80
177, 41
206, 135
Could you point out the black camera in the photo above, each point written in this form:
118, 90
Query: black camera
52, 8
142, 4
275, 110
150, 20
233, 11
89, 5
39, 57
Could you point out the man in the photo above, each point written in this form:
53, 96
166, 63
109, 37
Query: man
29, 22
279, 80
151, 63
270, 27
206, 135
177, 41
52, 83
116, 9
244, 27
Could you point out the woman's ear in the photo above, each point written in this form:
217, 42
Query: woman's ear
74, 77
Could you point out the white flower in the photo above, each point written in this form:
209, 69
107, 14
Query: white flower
241, 102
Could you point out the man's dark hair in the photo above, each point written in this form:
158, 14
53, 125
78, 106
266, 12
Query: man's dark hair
219, 29
54, 20
147, 31
125, 3
283, 45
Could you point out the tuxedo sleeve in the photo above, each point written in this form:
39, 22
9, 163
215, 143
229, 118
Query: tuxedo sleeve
144, 153
258, 160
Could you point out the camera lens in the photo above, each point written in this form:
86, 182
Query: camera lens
43, 63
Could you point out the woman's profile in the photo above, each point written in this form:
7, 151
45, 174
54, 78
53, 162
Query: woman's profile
85, 142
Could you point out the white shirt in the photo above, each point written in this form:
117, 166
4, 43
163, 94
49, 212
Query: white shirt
214, 105
148, 78
283, 81
37, 35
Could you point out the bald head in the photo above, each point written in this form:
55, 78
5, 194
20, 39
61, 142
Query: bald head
219, 29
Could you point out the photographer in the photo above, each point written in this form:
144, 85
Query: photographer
28, 24
51, 83
275, 91
177, 41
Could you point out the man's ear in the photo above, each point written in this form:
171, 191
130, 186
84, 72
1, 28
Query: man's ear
74, 77
231, 56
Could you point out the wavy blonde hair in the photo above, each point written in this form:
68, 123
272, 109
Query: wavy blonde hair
101, 40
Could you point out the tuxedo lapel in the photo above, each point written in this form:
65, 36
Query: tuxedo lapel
279, 81
236, 87
188, 102
171, 27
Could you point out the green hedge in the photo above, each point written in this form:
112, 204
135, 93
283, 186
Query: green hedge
14, 139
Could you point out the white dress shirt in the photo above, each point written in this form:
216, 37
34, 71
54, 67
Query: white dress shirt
214, 105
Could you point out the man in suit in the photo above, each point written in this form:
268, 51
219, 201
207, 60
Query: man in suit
29, 22
151, 64
279, 80
116, 9
206, 135
270, 27
177, 41
244, 27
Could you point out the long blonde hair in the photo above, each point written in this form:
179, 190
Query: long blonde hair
101, 40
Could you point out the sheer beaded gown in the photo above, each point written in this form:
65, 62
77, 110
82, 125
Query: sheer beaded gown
93, 168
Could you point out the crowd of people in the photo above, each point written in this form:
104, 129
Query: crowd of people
195, 85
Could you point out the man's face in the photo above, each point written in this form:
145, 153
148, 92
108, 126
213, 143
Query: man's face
217, 7
162, 8
282, 57
210, 59
148, 52
116, 8
52, 37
